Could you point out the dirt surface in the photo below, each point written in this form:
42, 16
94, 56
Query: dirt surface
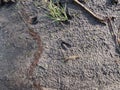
98, 65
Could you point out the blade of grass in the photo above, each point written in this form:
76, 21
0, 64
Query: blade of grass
57, 13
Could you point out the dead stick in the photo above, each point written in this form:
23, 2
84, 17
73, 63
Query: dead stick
114, 36
101, 19
74, 57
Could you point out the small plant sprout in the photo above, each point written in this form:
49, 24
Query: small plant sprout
57, 12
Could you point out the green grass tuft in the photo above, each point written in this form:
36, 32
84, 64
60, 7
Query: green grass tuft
57, 12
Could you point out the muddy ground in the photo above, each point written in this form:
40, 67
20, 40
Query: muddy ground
98, 65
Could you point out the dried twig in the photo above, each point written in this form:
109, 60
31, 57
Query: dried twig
101, 19
74, 57
118, 35
114, 36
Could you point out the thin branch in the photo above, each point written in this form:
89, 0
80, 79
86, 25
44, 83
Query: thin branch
101, 19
